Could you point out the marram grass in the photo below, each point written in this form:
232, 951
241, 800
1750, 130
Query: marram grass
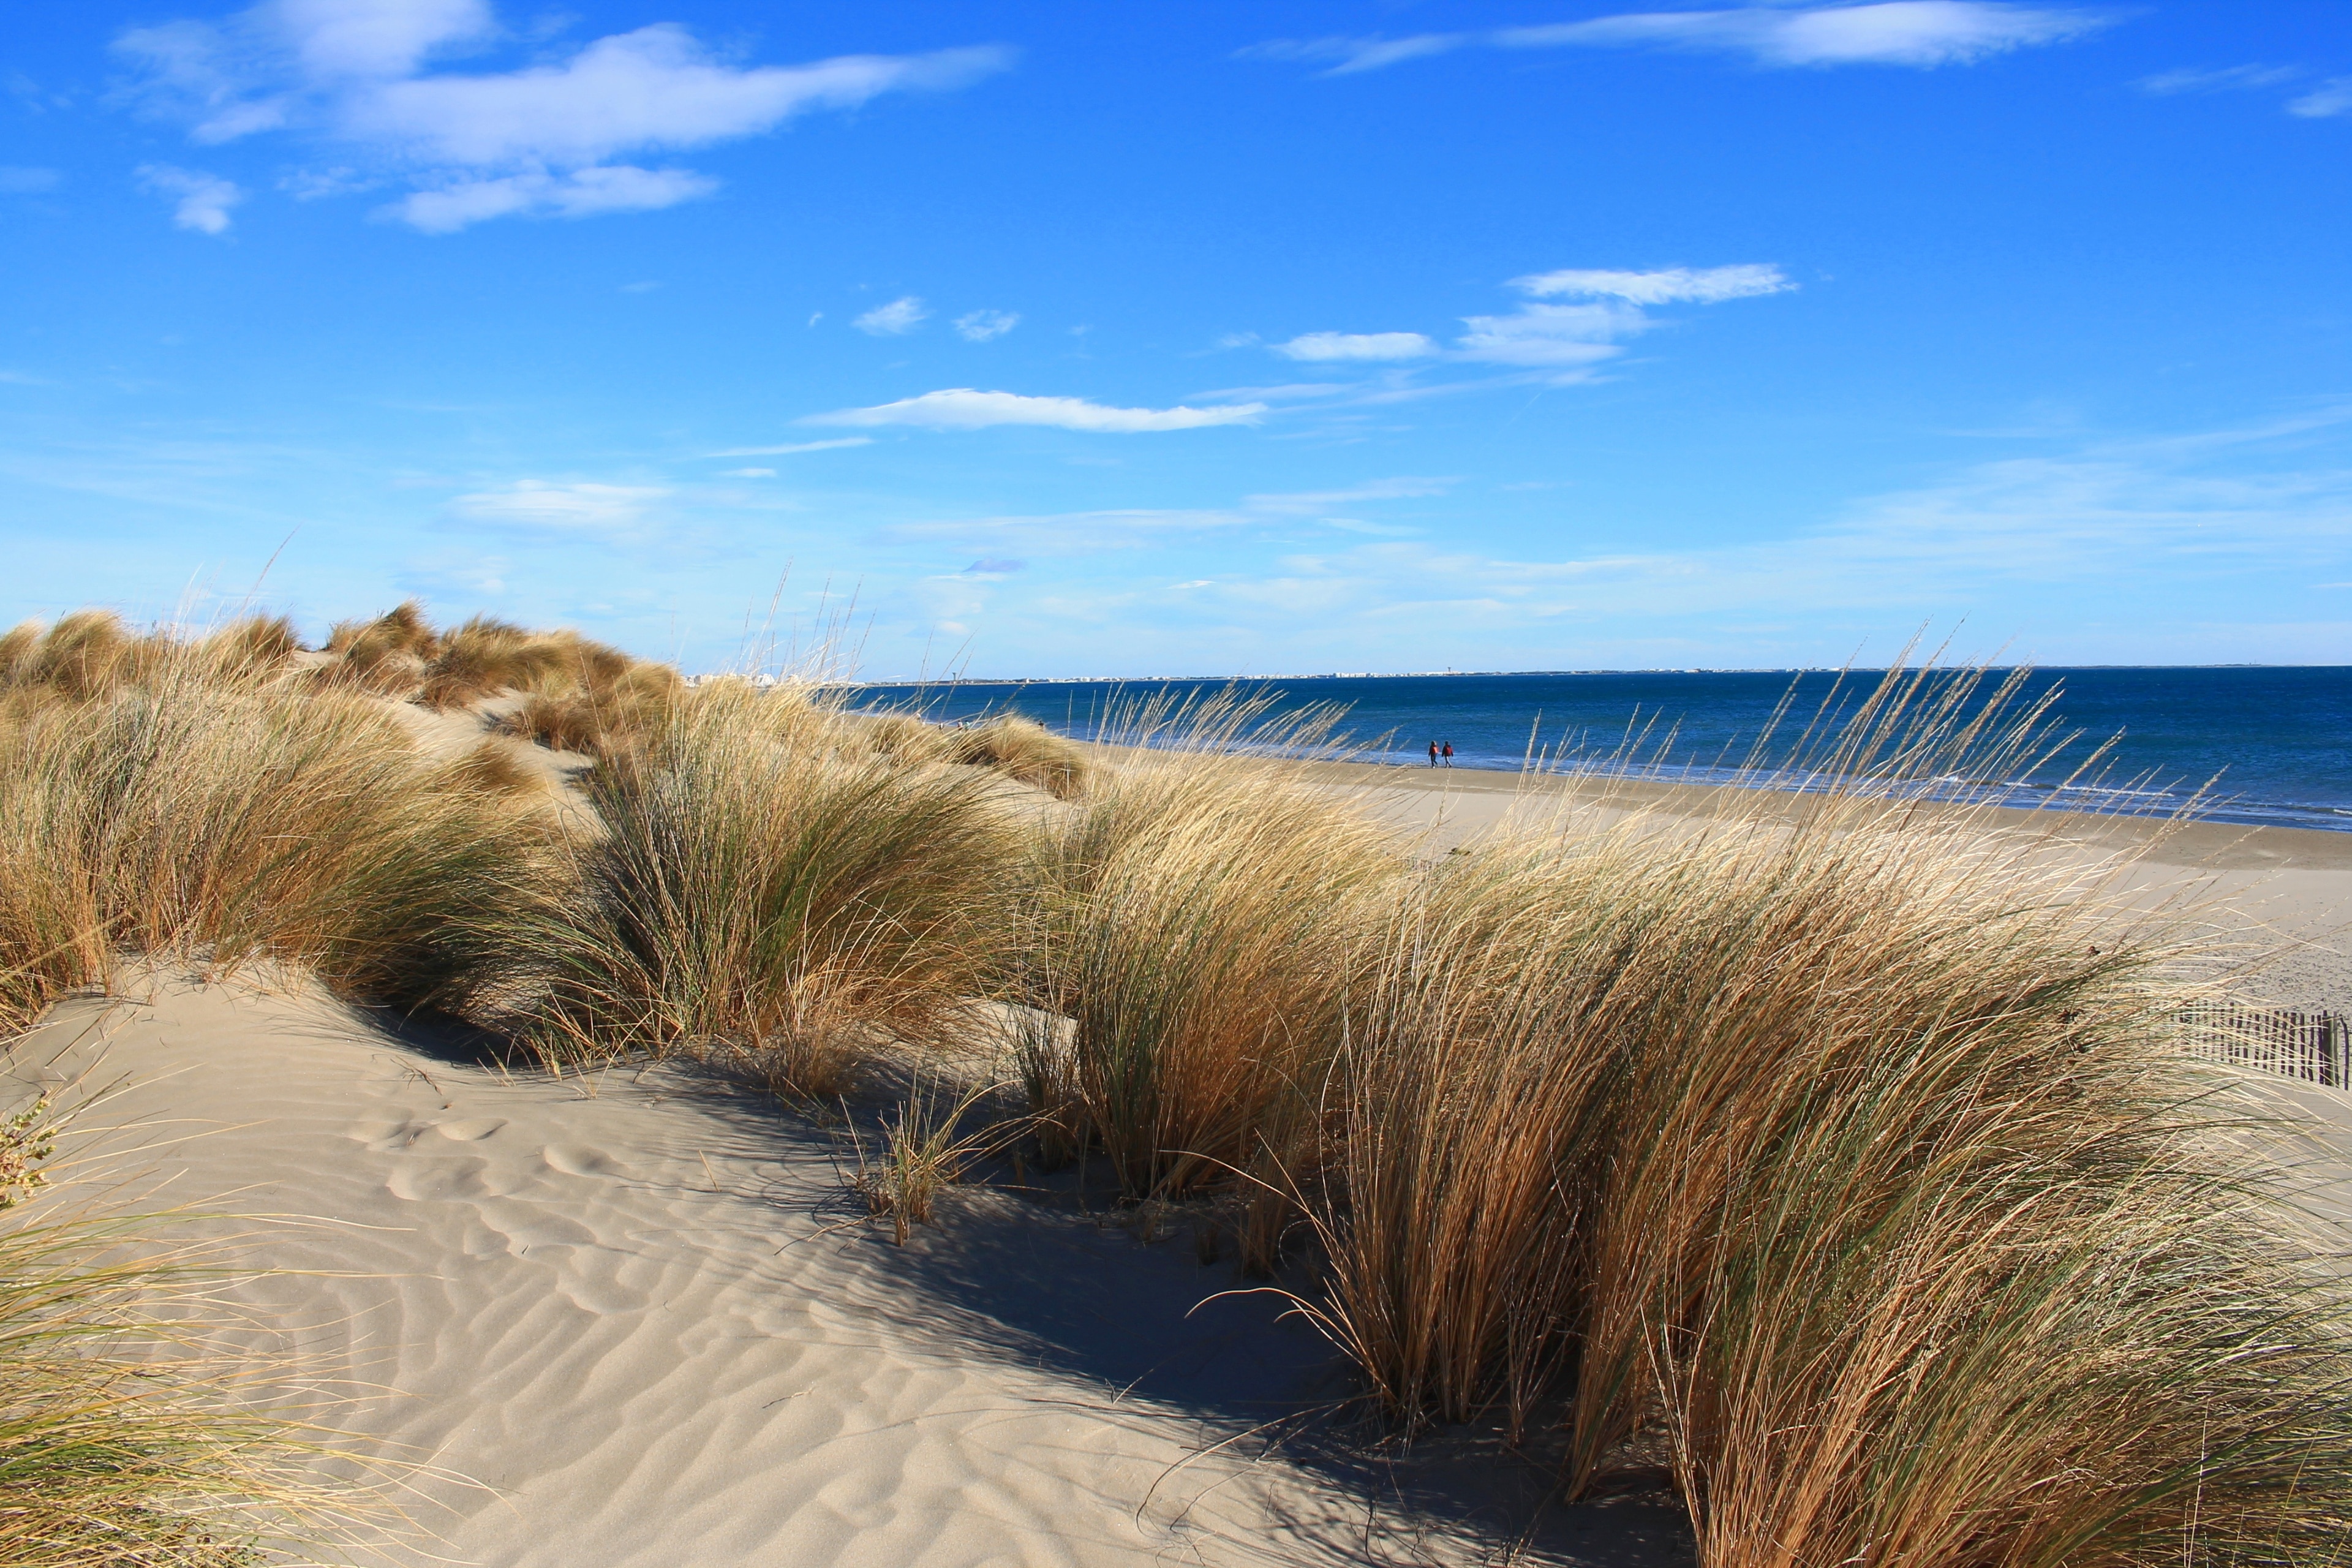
203, 816
1834, 1157
766, 890
1825, 1155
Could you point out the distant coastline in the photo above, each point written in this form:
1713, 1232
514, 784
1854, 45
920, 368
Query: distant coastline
2255, 744
1467, 674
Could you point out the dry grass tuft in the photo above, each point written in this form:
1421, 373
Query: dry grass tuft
1838, 1152
925, 1150
1021, 748
84, 655
623, 714
219, 823
133, 1434
1199, 918
386, 656
485, 658
254, 647
768, 892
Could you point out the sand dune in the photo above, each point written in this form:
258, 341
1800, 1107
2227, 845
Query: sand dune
621, 1313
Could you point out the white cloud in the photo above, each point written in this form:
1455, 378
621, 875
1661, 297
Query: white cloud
1088, 532
980, 326
562, 508
2117, 526
1704, 286
16, 180
542, 140
583, 192
656, 87
376, 38
1919, 33
1894, 32
202, 200
962, 408
1556, 335
793, 446
2333, 98
900, 316
1559, 343
1313, 503
1320, 346
1345, 56
2226, 79
747, 473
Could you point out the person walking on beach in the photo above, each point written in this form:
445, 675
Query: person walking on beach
1449, 754
1433, 753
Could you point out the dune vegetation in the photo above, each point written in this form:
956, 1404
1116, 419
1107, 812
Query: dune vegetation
130, 1431
1825, 1161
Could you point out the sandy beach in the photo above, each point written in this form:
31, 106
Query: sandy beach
630, 1321
2277, 901
627, 1318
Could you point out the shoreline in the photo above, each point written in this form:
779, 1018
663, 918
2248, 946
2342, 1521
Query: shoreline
2192, 845
2274, 904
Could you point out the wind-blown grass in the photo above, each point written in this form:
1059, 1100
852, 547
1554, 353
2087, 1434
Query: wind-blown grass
1835, 1158
132, 1433
1199, 916
768, 891
207, 816
1828, 1153
1022, 749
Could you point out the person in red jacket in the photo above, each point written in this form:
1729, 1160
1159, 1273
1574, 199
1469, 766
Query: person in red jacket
1433, 753
1449, 754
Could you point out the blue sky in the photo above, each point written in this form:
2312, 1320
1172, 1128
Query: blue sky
1059, 340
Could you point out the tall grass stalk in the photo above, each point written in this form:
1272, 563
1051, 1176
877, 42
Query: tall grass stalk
768, 890
136, 1430
1835, 1154
127, 1437
207, 815
1199, 912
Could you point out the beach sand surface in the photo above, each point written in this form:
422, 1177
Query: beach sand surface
2274, 904
638, 1322
623, 1308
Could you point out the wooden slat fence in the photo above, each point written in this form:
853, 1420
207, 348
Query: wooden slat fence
2314, 1046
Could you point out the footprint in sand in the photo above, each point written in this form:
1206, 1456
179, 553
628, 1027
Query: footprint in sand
579, 1160
446, 1180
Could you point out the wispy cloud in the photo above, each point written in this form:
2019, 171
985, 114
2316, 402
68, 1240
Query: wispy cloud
540, 504
1568, 337
2333, 98
1673, 285
792, 446
582, 192
1562, 341
541, 141
896, 319
962, 408
1085, 532
984, 326
200, 201
2180, 516
16, 180
2224, 78
1918, 33
1327, 346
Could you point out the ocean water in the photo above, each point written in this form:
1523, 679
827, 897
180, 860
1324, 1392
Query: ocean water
2269, 745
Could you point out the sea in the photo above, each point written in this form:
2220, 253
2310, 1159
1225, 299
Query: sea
2266, 745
